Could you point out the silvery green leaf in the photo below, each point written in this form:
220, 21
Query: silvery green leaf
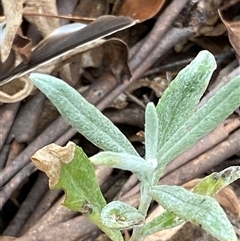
181, 98
119, 215
198, 209
151, 134
205, 119
122, 161
164, 221
82, 115
216, 181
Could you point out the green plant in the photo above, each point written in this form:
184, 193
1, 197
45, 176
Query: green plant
171, 127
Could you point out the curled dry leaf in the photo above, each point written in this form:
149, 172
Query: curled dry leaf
113, 51
140, 10
228, 199
16, 90
13, 12
50, 158
233, 33
116, 54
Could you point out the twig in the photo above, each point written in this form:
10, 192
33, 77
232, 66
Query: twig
172, 37
162, 25
12, 185
24, 127
57, 128
205, 161
8, 113
71, 230
4, 155
224, 81
43, 206
212, 139
16, 149
28, 206
128, 116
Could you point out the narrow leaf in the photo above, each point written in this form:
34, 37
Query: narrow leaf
122, 161
198, 209
119, 215
151, 134
216, 181
69, 168
164, 221
82, 115
216, 110
180, 99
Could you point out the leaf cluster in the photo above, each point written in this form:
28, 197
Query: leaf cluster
173, 126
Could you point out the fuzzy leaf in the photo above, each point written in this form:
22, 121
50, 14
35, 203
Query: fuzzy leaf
119, 215
122, 161
151, 134
198, 209
216, 110
216, 181
181, 98
82, 115
69, 168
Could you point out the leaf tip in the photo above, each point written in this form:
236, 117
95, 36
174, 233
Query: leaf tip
208, 57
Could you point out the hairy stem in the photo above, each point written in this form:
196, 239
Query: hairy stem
143, 208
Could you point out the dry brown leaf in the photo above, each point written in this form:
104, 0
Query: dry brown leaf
233, 33
49, 160
140, 10
228, 199
23, 47
116, 54
111, 54
8, 64
43, 24
59, 63
16, 90
13, 12
103, 237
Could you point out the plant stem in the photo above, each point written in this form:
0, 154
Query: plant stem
143, 208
